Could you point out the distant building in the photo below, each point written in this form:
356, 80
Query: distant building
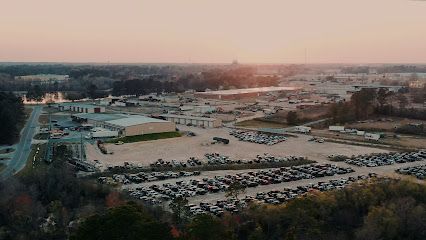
417, 84
193, 120
366, 86
43, 78
80, 108
303, 129
242, 93
204, 109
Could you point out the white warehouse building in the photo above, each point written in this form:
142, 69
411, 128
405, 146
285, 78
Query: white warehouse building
193, 120
80, 108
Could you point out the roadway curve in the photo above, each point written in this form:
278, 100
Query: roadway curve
23, 148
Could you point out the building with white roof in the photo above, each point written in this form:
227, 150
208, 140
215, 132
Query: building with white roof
193, 120
243, 93
127, 125
80, 107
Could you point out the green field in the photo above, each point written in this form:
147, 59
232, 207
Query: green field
147, 137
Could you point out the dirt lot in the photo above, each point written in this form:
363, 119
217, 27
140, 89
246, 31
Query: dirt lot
256, 123
144, 153
308, 114
383, 124
403, 140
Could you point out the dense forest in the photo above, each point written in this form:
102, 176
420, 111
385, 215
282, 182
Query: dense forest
12, 117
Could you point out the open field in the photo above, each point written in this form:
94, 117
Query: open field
258, 123
183, 148
309, 114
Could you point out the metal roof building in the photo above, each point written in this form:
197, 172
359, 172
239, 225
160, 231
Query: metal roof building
80, 107
193, 120
127, 125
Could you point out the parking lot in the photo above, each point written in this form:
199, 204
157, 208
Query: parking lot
213, 197
418, 171
375, 160
182, 148
157, 193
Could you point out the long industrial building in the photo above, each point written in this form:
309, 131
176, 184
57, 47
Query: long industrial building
80, 107
193, 120
234, 94
126, 125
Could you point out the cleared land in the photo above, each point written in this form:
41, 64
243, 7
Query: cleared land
182, 148
259, 123
385, 124
404, 141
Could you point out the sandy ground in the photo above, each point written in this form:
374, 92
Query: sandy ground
144, 153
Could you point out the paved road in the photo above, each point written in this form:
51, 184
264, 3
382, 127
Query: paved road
23, 148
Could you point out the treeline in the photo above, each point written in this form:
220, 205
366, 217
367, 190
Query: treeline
369, 102
214, 79
12, 116
33, 69
47, 201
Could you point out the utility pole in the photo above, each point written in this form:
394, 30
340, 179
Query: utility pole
81, 147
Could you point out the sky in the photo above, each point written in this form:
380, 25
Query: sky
213, 31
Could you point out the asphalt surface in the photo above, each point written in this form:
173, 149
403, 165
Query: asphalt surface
23, 148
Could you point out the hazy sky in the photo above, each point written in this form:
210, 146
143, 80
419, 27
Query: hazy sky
252, 31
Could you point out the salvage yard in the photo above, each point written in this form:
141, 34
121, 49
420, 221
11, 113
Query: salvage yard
144, 153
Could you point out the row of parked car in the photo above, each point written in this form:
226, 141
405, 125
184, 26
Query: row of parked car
141, 177
381, 159
217, 159
417, 171
191, 162
256, 137
233, 205
156, 193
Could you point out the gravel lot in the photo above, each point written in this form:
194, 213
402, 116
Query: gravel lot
182, 148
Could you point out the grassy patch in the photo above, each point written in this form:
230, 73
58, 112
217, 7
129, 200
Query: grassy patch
7, 150
259, 123
43, 119
35, 159
147, 137
41, 136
